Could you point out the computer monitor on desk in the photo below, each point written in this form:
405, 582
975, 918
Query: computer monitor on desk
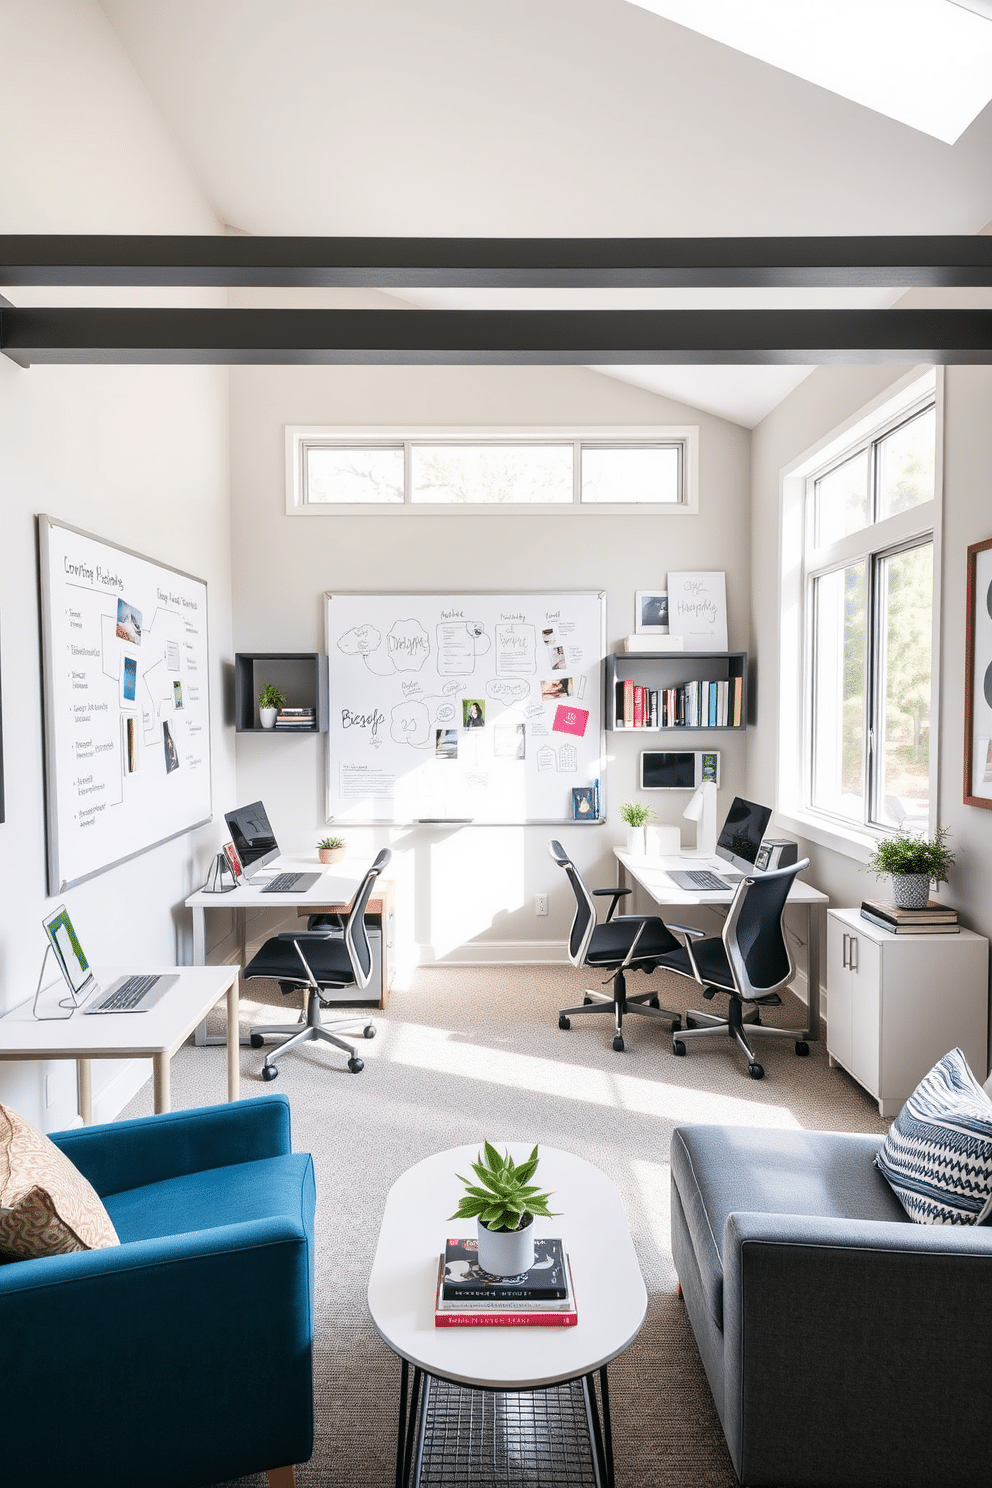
255, 844
742, 833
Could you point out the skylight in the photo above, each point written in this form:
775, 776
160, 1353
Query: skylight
926, 63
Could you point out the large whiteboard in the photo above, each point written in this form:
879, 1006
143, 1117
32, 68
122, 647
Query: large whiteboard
463, 707
127, 716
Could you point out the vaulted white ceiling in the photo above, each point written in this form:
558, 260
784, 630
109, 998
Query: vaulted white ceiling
545, 118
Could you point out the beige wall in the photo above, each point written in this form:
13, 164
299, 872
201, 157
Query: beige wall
467, 894
137, 455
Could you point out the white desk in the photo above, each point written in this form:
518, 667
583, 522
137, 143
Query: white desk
651, 874
155, 1035
609, 1290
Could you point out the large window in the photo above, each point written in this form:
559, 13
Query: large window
866, 604
334, 470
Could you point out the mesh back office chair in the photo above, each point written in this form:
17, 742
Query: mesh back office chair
750, 962
620, 944
317, 959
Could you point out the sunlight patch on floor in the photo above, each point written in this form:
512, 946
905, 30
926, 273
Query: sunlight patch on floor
442, 1051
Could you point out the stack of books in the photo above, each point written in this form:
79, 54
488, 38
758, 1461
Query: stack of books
935, 919
468, 1297
701, 703
296, 720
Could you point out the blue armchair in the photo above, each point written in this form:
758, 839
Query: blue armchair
125, 1368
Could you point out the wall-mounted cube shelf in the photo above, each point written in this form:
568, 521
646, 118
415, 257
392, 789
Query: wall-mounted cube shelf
300, 675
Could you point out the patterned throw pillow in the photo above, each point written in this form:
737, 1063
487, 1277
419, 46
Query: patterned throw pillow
47, 1207
938, 1152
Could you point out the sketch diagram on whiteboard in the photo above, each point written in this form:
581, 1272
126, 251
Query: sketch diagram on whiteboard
445, 707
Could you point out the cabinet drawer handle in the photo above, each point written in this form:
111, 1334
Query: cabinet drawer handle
854, 953
843, 956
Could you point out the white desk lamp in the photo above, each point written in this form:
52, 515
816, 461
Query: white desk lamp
702, 810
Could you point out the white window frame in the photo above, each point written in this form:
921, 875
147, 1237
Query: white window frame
300, 436
794, 772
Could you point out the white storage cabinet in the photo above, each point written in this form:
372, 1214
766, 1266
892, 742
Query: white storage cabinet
897, 1003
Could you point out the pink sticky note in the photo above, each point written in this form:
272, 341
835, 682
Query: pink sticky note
570, 720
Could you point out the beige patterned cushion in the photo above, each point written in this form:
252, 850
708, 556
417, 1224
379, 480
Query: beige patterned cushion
47, 1207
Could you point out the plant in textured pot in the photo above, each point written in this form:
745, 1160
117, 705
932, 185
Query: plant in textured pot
503, 1203
331, 849
636, 817
270, 700
913, 864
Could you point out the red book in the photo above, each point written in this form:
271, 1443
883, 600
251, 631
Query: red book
505, 1319
638, 707
628, 703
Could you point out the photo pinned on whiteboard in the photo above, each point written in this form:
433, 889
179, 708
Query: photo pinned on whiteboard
509, 741
651, 612
697, 610
171, 752
557, 687
473, 713
446, 744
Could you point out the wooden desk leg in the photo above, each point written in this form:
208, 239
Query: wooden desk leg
84, 1082
281, 1477
233, 1041
814, 915
161, 1083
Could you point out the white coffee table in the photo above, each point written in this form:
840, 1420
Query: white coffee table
609, 1292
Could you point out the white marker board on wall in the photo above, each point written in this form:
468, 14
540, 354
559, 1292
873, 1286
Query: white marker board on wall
463, 707
127, 714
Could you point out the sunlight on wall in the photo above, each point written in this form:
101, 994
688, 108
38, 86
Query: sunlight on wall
475, 876
435, 1049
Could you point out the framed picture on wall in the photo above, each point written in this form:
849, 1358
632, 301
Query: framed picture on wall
651, 612
978, 678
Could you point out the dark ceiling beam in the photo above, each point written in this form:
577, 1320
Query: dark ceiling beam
619, 263
459, 337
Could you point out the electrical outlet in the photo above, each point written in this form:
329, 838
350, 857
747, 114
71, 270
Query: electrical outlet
540, 904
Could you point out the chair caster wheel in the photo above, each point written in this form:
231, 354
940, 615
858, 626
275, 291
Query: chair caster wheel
678, 1046
756, 1071
618, 1043
356, 1065
564, 1023
256, 1040
676, 1025
654, 1002
368, 1031
586, 1001
269, 1071
802, 1048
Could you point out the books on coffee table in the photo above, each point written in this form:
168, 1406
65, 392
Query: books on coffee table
467, 1296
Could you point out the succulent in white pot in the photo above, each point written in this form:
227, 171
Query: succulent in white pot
503, 1203
270, 700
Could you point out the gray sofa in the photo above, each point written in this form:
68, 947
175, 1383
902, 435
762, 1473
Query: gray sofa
843, 1344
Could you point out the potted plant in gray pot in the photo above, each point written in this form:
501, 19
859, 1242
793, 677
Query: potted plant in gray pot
503, 1203
913, 864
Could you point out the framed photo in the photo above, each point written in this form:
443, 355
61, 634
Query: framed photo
583, 803
698, 610
978, 678
231, 854
651, 612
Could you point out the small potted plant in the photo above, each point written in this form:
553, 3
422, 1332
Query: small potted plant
331, 849
270, 700
503, 1203
636, 816
913, 864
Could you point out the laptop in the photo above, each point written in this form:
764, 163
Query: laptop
256, 846
129, 994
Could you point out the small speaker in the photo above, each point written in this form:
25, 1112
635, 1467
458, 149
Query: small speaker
776, 852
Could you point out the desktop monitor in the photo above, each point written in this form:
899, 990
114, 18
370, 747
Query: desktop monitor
742, 833
253, 838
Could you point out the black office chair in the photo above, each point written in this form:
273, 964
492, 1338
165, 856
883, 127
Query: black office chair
620, 944
750, 962
317, 959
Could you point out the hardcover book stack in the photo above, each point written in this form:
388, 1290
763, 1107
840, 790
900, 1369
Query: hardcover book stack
468, 1297
295, 720
935, 919
700, 703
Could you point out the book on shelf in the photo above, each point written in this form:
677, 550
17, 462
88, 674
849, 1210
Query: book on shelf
927, 927
501, 1310
697, 703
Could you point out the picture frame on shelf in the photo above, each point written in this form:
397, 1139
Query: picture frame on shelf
583, 803
651, 612
697, 609
231, 854
978, 678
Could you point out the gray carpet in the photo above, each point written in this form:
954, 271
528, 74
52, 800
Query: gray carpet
464, 1054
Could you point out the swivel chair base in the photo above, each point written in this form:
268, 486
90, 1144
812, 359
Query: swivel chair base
309, 1029
733, 1026
621, 1002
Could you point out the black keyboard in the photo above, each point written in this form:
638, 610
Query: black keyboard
128, 994
285, 883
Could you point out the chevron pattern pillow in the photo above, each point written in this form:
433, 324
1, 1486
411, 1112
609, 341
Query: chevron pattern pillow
938, 1153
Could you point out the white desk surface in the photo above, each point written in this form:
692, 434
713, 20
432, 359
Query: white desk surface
651, 874
609, 1290
336, 885
116, 1035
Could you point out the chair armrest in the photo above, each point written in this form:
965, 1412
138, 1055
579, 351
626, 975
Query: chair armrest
617, 895
873, 1338
692, 931
128, 1154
